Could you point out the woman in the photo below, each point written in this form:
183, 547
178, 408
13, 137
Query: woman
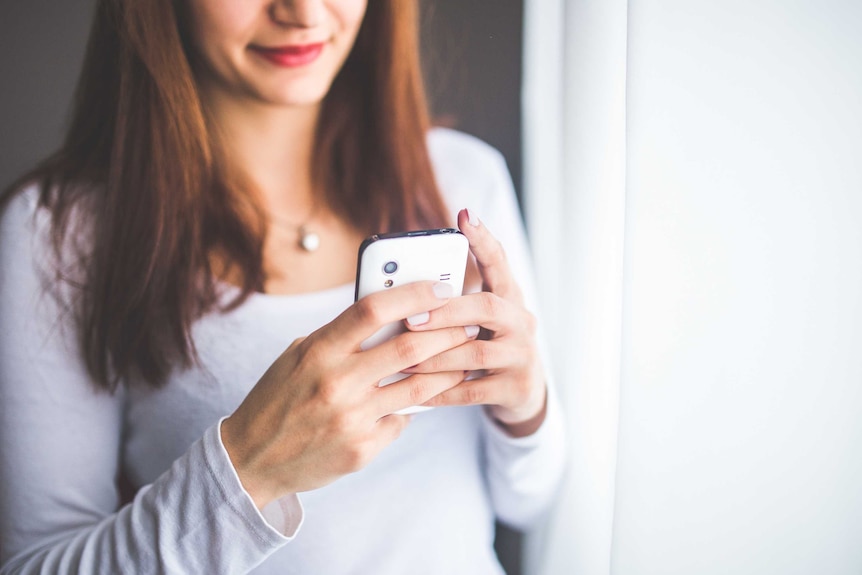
161, 274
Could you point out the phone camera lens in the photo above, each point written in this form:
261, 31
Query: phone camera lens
390, 268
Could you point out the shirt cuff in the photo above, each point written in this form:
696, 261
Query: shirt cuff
524, 473
280, 520
495, 432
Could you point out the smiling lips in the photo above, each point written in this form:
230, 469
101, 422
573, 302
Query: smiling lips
290, 56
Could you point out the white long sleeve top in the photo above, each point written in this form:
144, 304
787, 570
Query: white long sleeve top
426, 504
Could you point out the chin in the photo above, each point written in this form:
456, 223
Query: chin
298, 96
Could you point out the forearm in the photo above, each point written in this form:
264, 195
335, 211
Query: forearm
194, 519
524, 472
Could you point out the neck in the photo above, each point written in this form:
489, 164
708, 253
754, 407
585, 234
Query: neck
273, 147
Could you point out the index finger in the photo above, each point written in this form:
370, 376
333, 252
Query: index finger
490, 256
362, 319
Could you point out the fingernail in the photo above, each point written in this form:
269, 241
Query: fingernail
442, 291
419, 318
472, 218
472, 330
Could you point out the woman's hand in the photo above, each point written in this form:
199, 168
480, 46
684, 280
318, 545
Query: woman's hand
318, 413
511, 381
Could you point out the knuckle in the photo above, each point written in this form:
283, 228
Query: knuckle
406, 348
297, 344
418, 391
474, 395
329, 390
526, 357
481, 355
326, 394
343, 425
430, 365
309, 350
491, 304
523, 390
368, 311
443, 315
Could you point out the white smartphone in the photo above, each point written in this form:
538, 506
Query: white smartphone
389, 260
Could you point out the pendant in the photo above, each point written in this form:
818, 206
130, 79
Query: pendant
309, 241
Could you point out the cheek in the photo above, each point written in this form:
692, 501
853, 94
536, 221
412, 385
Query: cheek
349, 13
222, 25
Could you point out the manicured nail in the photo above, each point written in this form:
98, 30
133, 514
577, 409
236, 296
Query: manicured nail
419, 318
472, 331
472, 218
442, 291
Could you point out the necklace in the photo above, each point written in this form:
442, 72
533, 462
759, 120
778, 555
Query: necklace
309, 240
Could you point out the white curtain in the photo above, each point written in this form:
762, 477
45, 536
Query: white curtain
574, 168
693, 181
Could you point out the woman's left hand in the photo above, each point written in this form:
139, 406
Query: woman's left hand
505, 357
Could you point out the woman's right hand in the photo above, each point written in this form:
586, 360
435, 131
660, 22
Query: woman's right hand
318, 413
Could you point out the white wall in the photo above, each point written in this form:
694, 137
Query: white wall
740, 440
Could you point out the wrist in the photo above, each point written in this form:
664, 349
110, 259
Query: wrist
232, 447
521, 422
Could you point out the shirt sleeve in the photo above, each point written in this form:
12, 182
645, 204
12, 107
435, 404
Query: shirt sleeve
523, 473
60, 448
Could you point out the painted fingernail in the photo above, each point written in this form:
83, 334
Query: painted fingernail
472, 218
419, 318
442, 291
472, 331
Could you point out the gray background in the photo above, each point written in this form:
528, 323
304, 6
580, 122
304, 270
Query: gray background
41, 47
472, 54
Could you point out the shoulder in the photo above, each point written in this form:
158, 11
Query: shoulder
459, 156
25, 259
24, 198
25, 254
21, 220
469, 172
454, 149
27, 237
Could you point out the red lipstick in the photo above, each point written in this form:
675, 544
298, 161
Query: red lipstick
291, 56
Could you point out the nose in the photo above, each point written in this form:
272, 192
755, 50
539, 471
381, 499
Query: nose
299, 13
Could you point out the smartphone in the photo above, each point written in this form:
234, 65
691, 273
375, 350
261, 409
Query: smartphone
389, 260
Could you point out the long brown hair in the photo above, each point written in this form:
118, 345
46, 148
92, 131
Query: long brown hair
141, 159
